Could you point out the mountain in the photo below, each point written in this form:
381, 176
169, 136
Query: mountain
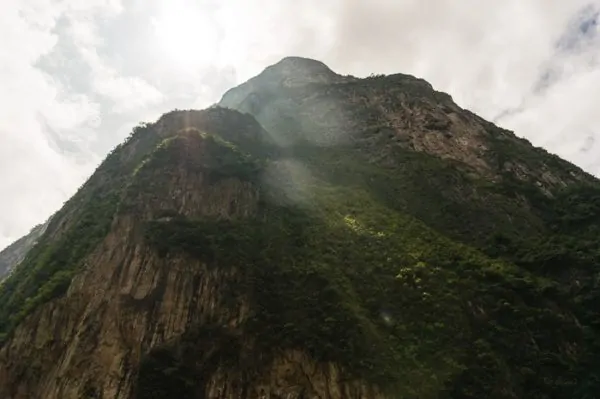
314, 235
12, 255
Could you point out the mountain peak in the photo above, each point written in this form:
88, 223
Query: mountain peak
300, 67
289, 72
369, 231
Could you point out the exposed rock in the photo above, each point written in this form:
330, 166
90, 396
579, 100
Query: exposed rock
365, 239
12, 255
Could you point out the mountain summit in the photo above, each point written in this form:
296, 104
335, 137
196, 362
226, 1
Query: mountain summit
314, 235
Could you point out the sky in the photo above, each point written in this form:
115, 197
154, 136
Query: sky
76, 76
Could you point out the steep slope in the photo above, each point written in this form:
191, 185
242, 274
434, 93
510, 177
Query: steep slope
393, 122
12, 255
368, 239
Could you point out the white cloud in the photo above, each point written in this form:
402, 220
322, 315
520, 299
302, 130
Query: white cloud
126, 93
74, 74
34, 176
106, 8
489, 56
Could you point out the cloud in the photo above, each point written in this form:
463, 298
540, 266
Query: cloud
75, 76
55, 90
34, 175
528, 66
126, 93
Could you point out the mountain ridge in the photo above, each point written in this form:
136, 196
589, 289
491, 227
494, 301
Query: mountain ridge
14, 253
313, 235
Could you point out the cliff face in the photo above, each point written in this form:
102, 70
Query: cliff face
454, 163
343, 238
12, 255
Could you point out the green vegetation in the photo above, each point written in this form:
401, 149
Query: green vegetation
74, 232
440, 193
77, 229
178, 369
349, 276
410, 271
47, 270
570, 255
352, 280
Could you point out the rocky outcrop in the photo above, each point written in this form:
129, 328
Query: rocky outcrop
128, 302
12, 255
365, 239
386, 113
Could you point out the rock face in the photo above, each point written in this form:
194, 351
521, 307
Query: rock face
12, 255
313, 236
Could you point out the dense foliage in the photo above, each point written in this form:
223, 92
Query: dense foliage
78, 228
415, 274
74, 232
347, 275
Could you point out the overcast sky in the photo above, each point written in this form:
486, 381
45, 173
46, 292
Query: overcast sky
77, 75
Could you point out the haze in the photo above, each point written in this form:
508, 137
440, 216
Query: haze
76, 76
